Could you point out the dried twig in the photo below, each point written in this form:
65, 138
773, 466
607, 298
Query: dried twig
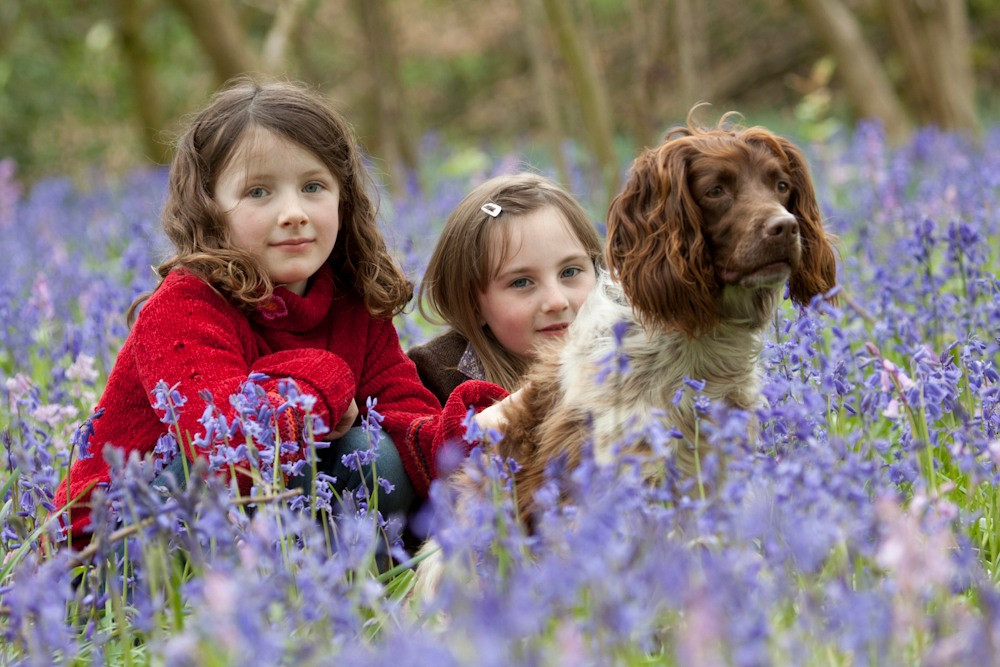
85, 554
856, 307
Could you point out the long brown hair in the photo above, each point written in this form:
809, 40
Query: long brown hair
196, 225
472, 248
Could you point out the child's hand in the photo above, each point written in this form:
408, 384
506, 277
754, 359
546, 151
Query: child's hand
495, 416
345, 423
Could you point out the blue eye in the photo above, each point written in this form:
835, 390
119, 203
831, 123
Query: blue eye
520, 283
312, 187
572, 272
256, 193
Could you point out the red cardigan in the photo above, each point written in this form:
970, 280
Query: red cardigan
189, 335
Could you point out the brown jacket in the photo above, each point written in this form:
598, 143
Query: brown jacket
439, 360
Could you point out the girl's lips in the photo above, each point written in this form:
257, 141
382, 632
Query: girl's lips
292, 243
554, 329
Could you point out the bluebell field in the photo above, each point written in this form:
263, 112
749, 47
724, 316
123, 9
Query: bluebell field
859, 526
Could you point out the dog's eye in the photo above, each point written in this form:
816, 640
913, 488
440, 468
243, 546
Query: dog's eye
783, 186
715, 192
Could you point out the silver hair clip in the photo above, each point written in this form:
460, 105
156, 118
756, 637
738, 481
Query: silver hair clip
491, 209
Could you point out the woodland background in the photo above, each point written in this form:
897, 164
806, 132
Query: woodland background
860, 525
87, 85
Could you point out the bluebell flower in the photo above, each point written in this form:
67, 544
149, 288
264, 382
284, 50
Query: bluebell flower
473, 432
168, 401
615, 362
81, 439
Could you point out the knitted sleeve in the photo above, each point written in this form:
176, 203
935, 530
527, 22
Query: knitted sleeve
192, 338
436, 444
411, 415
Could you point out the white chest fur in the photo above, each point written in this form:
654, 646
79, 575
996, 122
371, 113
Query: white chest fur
628, 400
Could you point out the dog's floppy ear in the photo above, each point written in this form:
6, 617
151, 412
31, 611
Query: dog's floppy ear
817, 273
655, 244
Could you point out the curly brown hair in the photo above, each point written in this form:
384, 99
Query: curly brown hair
196, 224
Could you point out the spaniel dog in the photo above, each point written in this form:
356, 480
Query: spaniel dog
706, 232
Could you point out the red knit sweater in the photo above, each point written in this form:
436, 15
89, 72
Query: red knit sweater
189, 335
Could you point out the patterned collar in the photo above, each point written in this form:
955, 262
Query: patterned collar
470, 366
288, 311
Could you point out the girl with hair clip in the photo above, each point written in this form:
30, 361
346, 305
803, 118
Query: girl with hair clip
279, 271
514, 263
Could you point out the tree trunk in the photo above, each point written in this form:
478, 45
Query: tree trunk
649, 25
690, 44
735, 78
217, 28
393, 136
544, 82
11, 20
130, 17
940, 77
591, 96
286, 22
868, 87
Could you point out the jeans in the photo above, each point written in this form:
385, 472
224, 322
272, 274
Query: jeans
387, 466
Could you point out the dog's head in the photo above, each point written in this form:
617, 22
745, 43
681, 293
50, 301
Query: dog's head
715, 208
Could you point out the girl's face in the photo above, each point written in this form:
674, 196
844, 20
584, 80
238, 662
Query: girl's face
281, 203
539, 288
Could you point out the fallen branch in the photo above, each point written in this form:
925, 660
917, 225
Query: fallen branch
857, 307
85, 554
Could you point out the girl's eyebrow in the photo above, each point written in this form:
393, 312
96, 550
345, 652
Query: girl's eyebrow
263, 173
576, 256
258, 174
317, 173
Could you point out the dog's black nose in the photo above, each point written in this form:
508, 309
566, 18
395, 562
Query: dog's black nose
781, 225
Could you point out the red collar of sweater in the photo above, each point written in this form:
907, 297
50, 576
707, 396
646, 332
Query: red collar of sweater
288, 311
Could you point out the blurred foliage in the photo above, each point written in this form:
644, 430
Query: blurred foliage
66, 106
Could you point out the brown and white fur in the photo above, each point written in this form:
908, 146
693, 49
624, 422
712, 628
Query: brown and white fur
701, 241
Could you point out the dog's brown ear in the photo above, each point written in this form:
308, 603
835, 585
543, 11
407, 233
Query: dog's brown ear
817, 273
655, 245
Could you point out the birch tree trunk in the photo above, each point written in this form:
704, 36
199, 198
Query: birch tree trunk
286, 21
